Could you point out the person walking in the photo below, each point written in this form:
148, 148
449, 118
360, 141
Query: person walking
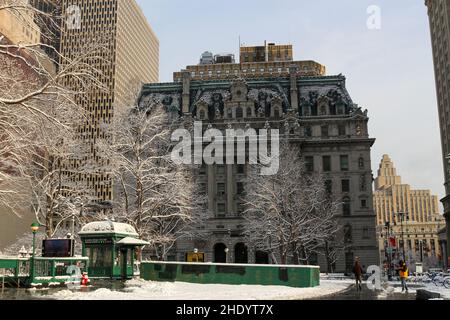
358, 271
404, 273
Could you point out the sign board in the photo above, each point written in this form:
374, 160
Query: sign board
419, 268
58, 248
97, 241
195, 257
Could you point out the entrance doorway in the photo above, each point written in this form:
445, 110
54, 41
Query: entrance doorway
261, 257
240, 253
123, 266
220, 256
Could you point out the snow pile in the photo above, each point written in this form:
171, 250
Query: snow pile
148, 290
445, 293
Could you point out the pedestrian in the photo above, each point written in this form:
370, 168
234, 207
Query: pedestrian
358, 271
404, 272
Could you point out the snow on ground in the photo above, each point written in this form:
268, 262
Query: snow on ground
445, 293
149, 290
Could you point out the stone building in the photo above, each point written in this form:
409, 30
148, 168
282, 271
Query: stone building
439, 16
311, 110
422, 220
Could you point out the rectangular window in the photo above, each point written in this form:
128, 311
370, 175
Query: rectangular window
345, 185
240, 188
364, 203
241, 169
326, 163
324, 130
329, 186
309, 163
366, 234
220, 169
344, 163
346, 208
341, 129
221, 209
221, 189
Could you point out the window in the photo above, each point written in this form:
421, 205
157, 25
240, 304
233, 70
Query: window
202, 115
341, 129
329, 186
221, 209
240, 188
220, 169
241, 169
326, 163
249, 112
366, 234
239, 112
346, 207
344, 163
221, 189
345, 185
309, 164
363, 203
361, 164
324, 130
308, 132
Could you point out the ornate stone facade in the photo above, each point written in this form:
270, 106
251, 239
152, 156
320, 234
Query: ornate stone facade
315, 113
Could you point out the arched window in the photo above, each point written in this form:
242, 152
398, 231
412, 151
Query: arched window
239, 113
249, 112
230, 113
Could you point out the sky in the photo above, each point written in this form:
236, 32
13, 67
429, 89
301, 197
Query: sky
389, 70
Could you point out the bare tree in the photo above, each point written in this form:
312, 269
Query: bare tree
289, 215
152, 193
40, 91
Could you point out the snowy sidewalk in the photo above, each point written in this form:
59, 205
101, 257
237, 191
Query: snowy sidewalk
148, 290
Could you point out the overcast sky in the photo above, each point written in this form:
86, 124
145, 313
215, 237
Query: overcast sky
389, 71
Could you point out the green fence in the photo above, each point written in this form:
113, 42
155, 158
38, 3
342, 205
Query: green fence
207, 273
46, 270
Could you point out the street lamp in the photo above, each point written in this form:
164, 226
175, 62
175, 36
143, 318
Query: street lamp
196, 254
403, 215
388, 249
34, 229
226, 254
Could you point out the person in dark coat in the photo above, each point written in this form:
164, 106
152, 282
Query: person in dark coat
358, 271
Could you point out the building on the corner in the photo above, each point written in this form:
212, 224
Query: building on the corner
310, 109
422, 220
439, 16
131, 58
268, 53
19, 26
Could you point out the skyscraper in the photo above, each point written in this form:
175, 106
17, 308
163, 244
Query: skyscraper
418, 232
439, 16
131, 58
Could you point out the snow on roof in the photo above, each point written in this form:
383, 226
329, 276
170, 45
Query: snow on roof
133, 242
105, 227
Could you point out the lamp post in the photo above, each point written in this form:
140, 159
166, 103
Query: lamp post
403, 215
388, 248
226, 254
196, 254
34, 229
